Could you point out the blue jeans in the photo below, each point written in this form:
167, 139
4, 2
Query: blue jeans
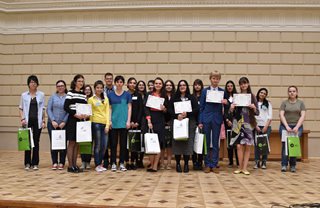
212, 131
100, 139
54, 153
284, 158
257, 154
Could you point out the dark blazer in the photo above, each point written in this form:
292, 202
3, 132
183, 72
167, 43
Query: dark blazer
210, 111
194, 104
137, 108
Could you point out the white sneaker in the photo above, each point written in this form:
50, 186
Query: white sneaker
27, 167
103, 168
83, 165
122, 167
88, 166
114, 167
98, 169
35, 167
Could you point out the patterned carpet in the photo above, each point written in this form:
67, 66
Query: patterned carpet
166, 188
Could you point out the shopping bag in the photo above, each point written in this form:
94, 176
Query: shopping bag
294, 146
262, 143
151, 142
24, 139
84, 131
134, 140
85, 148
181, 129
198, 142
58, 139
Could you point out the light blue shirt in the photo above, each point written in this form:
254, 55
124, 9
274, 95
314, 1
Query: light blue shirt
55, 109
25, 105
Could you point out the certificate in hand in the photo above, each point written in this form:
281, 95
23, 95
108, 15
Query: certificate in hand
154, 102
183, 106
84, 109
214, 96
242, 99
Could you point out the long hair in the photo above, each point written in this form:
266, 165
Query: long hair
265, 102
173, 91
145, 87
74, 81
252, 118
65, 85
162, 91
91, 93
178, 92
99, 82
234, 90
197, 82
129, 80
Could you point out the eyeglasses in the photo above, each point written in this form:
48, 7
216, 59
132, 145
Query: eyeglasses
60, 86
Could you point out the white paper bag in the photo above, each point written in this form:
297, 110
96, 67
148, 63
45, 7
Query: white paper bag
85, 109
58, 139
214, 96
183, 106
198, 142
181, 129
84, 131
242, 99
31, 138
151, 142
154, 102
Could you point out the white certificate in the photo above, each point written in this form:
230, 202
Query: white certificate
183, 106
242, 99
84, 109
214, 96
154, 102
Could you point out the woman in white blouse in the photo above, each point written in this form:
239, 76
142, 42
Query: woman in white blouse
263, 124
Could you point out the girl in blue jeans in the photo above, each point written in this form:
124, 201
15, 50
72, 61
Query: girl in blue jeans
292, 115
100, 124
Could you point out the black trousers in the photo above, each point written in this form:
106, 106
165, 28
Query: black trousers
118, 134
33, 124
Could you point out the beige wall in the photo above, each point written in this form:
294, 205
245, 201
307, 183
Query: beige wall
269, 59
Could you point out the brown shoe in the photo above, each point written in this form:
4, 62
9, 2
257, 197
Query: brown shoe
215, 170
206, 170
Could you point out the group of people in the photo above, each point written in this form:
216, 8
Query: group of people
115, 111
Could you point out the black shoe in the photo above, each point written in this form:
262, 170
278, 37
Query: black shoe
186, 168
77, 169
133, 167
128, 166
140, 164
195, 166
178, 168
71, 170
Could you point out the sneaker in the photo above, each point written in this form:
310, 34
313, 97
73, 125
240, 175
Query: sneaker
264, 165
83, 165
293, 169
162, 167
61, 166
122, 167
27, 167
114, 167
103, 168
35, 167
54, 166
88, 166
257, 165
284, 169
98, 169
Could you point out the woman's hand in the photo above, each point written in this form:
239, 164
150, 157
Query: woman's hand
23, 122
62, 125
106, 129
180, 117
54, 124
295, 130
200, 126
150, 126
163, 108
252, 106
128, 125
232, 107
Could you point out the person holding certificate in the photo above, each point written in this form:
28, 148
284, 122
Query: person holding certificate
100, 124
74, 96
120, 103
244, 124
230, 90
211, 118
197, 159
156, 117
292, 115
184, 148
57, 119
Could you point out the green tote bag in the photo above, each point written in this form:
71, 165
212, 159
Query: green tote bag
23, 139
294, 146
